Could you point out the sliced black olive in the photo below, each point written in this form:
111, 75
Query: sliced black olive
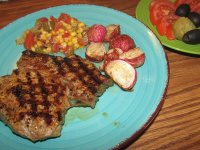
195, 18
192, 37
183, 10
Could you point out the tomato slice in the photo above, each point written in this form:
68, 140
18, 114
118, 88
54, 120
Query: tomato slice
160, 9
29, 40
195, 6
170, 33
189, 2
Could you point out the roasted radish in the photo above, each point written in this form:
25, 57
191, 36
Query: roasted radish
135, 57
95, 52
111, 54
122, 73
112, 31
96, 33
123, 42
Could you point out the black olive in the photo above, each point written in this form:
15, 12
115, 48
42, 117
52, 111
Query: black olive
195, 18
192, 37
183, 10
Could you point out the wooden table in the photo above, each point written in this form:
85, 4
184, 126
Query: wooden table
177, 126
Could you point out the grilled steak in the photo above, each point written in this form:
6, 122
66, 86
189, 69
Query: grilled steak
36, 96
32, 104
84, 80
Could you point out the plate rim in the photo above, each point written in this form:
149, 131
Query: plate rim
135, 135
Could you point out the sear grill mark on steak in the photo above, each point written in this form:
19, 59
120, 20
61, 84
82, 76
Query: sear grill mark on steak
20, 91
84, 80
37, 95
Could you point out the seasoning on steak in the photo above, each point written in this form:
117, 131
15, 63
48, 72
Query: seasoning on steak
35, 97
32, 104
84, 80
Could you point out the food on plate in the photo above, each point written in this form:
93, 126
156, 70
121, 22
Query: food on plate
162, 15
96, 33
84, 80
181, 26
195, 18
165, 13
135, 57
95, 52
192, 37
33, 104
122, 41
43, 82
112, 30
183, 10
122, 73
50, 35
161, 9
111, 54
35, 97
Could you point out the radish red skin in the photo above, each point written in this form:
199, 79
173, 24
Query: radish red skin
112, 54
95, 52
112, 31
96, 33
122, 73
135, 57
123, 41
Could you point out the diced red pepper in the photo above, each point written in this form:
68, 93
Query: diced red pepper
43, 19
29, 40
52, 18
65, 17
65, 35
55, 47
58, 26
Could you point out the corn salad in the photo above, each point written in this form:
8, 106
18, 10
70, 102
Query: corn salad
50, 35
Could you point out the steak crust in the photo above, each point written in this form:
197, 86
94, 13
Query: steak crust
32, 104
84, 80
35, 97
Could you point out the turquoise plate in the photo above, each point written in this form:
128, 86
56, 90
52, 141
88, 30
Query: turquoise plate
119, 116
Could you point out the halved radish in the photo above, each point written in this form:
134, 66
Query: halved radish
112, 31
122, 73
135, 57
95, 52
122, 41
111, 54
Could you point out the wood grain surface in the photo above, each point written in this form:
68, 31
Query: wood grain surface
177, 126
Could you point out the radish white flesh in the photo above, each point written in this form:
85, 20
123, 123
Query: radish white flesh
135, 57
112, 31
122, 73
95, 52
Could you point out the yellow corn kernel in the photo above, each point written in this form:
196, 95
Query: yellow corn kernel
48, 49
58, 37
61, 40
74, 40
53, 32
68, 27
64, 44
73, 33
80, 30
39, 43
79, 35
49, 35
43, 37
33, 49
76, 45
81, 24
69, 43
61, 30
